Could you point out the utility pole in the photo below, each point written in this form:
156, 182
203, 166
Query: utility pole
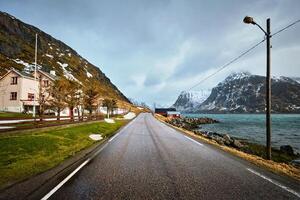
268, 90
35, 62
250, 20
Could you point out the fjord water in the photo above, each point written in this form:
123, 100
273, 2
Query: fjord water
285, 127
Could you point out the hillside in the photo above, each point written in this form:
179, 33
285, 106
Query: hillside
245, 93
17, 47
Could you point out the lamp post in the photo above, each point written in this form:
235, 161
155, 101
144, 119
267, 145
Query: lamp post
249, 20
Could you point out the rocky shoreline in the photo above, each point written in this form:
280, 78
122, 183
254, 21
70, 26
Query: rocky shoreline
190, 123
284, 154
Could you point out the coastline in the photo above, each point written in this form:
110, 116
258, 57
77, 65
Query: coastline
276, 167
251, 127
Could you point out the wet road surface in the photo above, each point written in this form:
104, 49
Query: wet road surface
149, 160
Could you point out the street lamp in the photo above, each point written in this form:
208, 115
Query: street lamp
249, 20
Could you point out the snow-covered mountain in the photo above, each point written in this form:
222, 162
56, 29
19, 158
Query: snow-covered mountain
245, 93
296, 79
188, 100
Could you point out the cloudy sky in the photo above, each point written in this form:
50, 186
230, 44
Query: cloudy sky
154, 49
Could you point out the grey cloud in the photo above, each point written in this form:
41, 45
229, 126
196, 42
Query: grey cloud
128, 38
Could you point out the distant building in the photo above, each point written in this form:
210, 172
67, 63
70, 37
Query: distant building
164, 111
173, 114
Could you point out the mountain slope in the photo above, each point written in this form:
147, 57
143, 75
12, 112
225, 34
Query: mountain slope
17, 47
245, 93
187, 101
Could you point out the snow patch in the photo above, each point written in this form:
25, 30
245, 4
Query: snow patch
110, 121
48, 55
129, 115
27, 66
96, 137
88, 74
67, 73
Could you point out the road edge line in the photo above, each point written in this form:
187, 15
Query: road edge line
57, 187
274, 182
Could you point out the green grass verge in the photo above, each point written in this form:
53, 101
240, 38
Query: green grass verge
14, 115
260, 150
24, 155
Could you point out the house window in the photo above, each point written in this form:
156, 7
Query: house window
30, 96
13, 96
45, 83
14, 80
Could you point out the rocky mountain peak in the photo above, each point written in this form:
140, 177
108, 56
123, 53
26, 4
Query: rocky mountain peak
245, 93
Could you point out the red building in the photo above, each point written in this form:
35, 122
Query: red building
167, 112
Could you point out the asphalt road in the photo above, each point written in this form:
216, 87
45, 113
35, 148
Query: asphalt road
149, 160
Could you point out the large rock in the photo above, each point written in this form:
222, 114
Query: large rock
287, 149
237, 144
219, 140
190, 123
227, 140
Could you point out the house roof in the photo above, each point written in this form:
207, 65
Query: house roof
48, 75
22, 74
164, 110
28, 75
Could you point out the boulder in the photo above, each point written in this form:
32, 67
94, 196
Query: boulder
227, 137
219, 140
227, 140
287, 149
237, 144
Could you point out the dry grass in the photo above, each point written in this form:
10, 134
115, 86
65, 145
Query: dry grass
279, 168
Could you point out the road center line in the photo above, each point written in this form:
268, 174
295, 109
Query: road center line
274, 182
65, 180
193, 140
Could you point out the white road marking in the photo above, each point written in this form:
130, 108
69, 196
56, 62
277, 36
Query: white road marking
65, 180
274, 182
49, 194
193, 140
111, 139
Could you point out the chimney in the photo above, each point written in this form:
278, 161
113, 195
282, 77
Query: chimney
52, 72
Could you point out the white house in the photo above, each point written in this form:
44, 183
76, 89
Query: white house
17, 90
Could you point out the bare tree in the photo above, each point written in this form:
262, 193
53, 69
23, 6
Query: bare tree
57, 93
110, 105
72, 95
90, 98
43, 97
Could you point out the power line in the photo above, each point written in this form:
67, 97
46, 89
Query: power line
243, 54
229, 63
288, 26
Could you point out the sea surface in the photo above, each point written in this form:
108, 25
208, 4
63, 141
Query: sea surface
285, 127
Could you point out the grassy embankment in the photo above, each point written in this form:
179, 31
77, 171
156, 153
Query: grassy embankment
24, 155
